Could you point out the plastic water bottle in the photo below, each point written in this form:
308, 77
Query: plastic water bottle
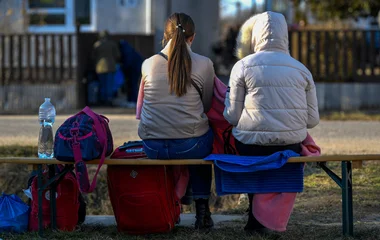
46, 118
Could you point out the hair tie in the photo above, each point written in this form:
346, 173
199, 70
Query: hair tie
180, 26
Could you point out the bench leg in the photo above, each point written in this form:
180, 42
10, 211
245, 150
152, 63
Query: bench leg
345, 183
347, 214
40, 192
53, 191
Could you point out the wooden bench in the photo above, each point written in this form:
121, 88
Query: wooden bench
344, 182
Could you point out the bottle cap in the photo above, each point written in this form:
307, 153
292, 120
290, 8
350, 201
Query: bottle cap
47, 99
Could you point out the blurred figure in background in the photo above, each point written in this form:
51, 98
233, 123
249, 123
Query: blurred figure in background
230, 45
224, 51
105, 55
131, 65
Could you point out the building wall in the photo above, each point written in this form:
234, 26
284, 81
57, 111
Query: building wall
159, 15
140, 17
205, 15
26, 99
348, 96
127, 18
206, 18
11, 16
109, 15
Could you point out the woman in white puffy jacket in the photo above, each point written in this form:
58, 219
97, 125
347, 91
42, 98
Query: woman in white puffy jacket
272, 99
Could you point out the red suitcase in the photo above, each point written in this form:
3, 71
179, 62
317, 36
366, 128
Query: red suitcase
143, 197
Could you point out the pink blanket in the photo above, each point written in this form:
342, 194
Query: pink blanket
272, 210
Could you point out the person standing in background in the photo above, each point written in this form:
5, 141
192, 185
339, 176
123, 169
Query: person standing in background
131, 64
106, 54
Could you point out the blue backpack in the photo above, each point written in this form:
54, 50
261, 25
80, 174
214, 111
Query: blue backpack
83, 137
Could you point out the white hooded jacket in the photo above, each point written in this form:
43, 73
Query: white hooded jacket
272, 98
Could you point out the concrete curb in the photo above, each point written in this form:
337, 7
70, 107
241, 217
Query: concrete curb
187, 220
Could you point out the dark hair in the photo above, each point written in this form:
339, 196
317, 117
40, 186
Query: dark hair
179, 27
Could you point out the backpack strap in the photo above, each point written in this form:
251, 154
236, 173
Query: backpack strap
163, 55
80, 166
196, 87
192, 81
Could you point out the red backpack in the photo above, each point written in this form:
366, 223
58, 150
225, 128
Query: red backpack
224, 143
70, 205
143, 197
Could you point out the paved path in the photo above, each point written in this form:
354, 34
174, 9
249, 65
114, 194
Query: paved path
334, 137
187, 220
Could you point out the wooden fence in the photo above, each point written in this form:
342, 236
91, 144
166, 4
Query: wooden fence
37, 58
339, 55
31, 59
331, 56
54, 58
32, 62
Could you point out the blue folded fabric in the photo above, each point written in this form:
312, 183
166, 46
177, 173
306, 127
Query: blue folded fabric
257, 174
235, 163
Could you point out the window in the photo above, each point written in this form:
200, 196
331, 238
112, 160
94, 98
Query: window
47, 12
128, 3
43, 19
46, 3
61, 15
82, 12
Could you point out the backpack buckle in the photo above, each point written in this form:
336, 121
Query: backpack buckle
74, 132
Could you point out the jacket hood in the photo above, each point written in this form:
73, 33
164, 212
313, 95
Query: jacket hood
267, 31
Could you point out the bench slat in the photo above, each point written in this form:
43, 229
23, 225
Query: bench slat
338, 158
143, 161
31, 160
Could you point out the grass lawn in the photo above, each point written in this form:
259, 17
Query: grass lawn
226, 231
351, 116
